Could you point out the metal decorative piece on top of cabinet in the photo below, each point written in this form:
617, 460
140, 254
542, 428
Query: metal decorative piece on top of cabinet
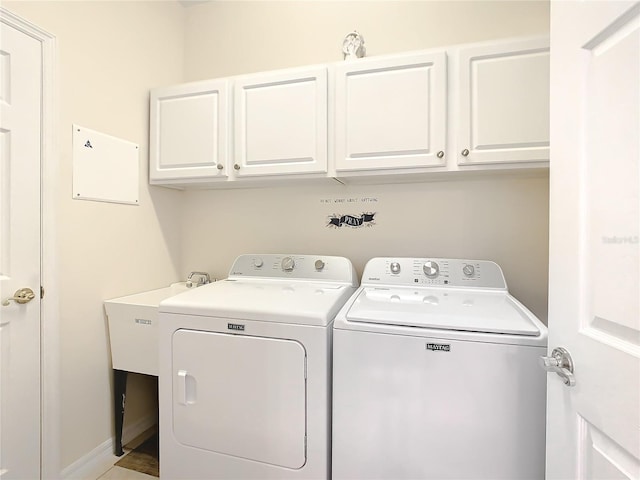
353, 46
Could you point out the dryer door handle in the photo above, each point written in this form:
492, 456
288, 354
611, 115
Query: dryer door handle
186, 388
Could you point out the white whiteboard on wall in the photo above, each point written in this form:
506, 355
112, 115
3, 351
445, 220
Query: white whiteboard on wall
105, 168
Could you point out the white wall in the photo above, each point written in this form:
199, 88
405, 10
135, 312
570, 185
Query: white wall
109, 55
501, 219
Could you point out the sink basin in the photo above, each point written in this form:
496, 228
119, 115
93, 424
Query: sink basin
133, 328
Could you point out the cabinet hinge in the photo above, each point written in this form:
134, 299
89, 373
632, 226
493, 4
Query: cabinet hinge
41, 292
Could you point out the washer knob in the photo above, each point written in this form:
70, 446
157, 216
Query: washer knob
468, 270
319, 264
430, 269
288, 263
395, 268
257, 262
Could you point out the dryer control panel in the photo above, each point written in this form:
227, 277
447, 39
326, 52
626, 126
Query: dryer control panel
424, 272
299, 267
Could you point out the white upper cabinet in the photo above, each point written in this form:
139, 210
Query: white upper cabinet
280, 123
503, 113
189, 133
398, 117
390, 113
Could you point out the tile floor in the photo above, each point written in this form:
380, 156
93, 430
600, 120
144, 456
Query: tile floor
119, 473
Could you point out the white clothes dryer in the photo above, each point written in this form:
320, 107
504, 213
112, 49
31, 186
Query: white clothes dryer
436, 376
245, 370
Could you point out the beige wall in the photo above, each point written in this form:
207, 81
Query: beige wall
109, 55
504, 219
233, 37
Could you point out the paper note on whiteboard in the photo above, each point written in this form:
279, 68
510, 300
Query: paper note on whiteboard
105, 168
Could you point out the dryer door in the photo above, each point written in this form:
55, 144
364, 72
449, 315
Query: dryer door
240, 395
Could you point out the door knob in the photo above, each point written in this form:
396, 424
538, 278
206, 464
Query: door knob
561, 363
22, 296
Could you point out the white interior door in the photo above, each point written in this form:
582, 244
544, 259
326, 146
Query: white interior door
20, 103
593, 428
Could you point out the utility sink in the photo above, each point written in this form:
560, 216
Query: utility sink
133, 328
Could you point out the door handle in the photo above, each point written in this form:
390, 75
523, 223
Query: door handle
186, 388
561, 363
22, 296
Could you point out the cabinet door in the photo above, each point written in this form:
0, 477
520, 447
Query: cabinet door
188, 131
391, 113
281, 123
504, 103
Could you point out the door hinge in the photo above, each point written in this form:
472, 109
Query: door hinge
41, 292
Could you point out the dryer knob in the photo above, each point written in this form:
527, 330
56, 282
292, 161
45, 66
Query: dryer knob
258, 263
394, 267
319, 265
430, 269
288, 263
468, 270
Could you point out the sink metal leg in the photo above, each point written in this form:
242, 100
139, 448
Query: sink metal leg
119, 397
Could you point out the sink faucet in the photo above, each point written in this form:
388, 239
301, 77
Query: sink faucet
202, 279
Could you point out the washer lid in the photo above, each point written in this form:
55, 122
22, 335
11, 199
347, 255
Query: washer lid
447, 309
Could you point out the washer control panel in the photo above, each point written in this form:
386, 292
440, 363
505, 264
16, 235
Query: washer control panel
443, 272
310, 267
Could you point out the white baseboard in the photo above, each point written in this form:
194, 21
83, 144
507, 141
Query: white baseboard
130, 432
100, 459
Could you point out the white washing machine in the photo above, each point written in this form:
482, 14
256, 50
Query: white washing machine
436, 376
245, 370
